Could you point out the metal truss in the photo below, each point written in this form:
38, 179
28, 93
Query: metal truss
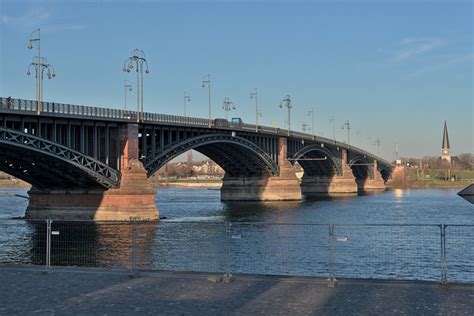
103, 174
330, 161
260, 157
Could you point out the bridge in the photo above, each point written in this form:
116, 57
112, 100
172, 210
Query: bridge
93, 163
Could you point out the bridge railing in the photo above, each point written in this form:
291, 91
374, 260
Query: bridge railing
442, 253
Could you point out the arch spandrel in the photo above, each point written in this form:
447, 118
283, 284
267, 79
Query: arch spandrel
237, 156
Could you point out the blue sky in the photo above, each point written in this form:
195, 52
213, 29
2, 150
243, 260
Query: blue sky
395, 69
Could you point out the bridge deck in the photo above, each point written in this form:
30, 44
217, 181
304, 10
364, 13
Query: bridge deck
61, 110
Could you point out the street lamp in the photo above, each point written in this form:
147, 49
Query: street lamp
186, 98
332, 120
287, 103
347, 126
377, 142
228, 105
311, 113
127, 87
304, 126
207, 81
137, 57
254, 95
40, 65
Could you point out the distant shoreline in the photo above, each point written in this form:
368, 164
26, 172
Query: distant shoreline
429, 185
18, 184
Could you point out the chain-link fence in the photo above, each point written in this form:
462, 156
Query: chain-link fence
408, 252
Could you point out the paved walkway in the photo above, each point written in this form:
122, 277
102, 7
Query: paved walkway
96, 292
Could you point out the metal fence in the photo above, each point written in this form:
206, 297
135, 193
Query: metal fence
441, 253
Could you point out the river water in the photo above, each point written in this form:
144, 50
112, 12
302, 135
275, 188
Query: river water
393, 234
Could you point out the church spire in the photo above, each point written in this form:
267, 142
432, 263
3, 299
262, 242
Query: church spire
446, 151
445, 137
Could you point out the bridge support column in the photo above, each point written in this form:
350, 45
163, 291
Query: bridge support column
372, 185
344, 184
284, 187
133, 200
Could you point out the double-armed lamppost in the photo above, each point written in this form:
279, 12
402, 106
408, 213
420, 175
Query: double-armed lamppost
287, 103
311, 113
186, 98
127, 88
377, 142
228, 105
304, 126
206, 81
137, 57
347, 126
332, 121
254, 95
40, 65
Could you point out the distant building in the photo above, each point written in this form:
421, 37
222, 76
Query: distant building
446, 149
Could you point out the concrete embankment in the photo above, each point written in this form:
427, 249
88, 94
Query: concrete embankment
99, 292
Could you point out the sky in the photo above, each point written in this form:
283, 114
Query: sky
394, 69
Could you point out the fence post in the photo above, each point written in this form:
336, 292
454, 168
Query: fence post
332, 278
227, 275
444, 279
48, 244
134, 248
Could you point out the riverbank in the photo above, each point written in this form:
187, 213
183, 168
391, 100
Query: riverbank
202, 184
427, 184
13, 184
93, 291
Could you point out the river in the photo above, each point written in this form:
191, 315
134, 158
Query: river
392, 234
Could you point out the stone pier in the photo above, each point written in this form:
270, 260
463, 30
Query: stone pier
133, 200
284, 187
344, 184
373, 184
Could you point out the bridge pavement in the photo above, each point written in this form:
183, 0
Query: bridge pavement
93, 292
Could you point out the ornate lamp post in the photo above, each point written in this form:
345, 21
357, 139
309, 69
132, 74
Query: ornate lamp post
207, 81
304, 126
127, 88
311, 113
286, 102
40, 65
254, 95
187, 98
332, 120
347, 126
137, 57
228, 105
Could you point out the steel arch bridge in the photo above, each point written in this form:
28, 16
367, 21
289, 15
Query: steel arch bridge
71, 146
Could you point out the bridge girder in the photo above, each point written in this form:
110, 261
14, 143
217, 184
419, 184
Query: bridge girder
46, 164
239, 157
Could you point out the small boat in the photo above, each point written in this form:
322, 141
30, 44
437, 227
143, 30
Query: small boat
468, 193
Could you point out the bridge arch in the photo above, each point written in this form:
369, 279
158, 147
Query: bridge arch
386, 172
239, 157
318, 161
46, 164
362, 168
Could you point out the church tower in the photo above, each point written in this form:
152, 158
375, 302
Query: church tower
446, 150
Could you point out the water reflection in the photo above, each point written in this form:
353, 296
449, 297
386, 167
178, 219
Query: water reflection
92, 244
259, 211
